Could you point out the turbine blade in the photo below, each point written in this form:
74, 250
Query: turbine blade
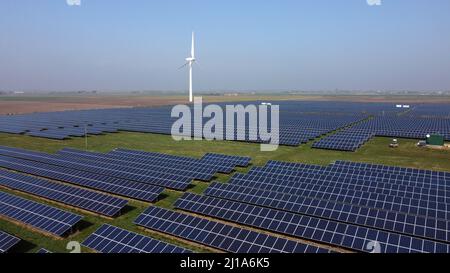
183, 65
193, 46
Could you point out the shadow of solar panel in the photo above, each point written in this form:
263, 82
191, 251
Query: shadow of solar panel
217, 235
7, 241
74, 196
111, 239
324, 231
39, 216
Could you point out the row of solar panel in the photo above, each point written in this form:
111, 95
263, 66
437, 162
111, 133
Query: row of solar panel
392, 169
340, 234
7, 241
334, 192
218, 235
39, 216
127, 188
412, 179
77, 197
156, 178
391, 221
173, 176
420, 212
343, 141
295, 127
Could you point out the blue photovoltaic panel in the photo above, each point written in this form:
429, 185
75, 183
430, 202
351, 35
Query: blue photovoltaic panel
7, 241
111, 239
324, 231
39, 216
336, 192
436, 190
391, 221
132, 189
241, 161
85, 199
194, 171
393, 169
43, 251
149, 176
299, 122
152, 158
217, 235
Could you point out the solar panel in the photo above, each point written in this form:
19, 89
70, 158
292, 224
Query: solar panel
85, 199
335, 192
346, 140
7, 241
384, 181
134, 190
43, 251
416, 180
393, 169
203, 173
151, 158
365, 216
241, 161
299, 122
148, 176
46, 218
310, 228
217, 235
198, 171
111, 239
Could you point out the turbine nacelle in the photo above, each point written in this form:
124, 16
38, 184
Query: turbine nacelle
190, 60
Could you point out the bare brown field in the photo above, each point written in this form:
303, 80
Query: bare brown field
31, 104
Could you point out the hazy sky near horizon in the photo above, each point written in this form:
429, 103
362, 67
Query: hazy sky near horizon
241, 44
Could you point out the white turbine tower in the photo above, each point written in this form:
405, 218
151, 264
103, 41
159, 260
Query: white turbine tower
190, 61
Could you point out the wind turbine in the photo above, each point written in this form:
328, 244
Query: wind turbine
190, 61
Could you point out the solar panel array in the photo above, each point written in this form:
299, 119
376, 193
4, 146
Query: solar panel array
43, 251
218, 235
416, 122
409, 204
151, 157
205, 173
111, 239
241, 161
7, 241
310, 228
153, 177
127, 188
347, 140
85, 199
300, 122
43, 217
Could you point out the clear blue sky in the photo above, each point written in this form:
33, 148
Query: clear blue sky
241, 44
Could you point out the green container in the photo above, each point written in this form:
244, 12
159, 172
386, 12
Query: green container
437, 140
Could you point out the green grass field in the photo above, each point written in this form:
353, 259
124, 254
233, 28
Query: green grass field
375, 151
